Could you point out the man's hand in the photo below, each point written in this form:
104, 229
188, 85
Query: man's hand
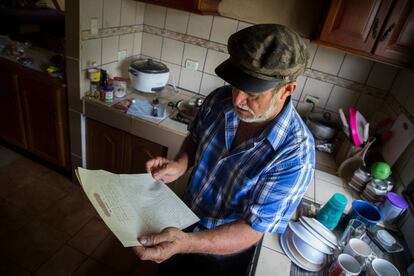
164, 169
162, 246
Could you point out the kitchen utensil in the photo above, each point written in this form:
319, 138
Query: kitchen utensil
375, 190
402, 135
366, 132
350, 165
354, 229
381, 267
344, 121
317, 235
294, 256
380, 170
307, 237
322, 126
365, 212
393, 206
358, 249
308, 252
345, 265
321, 229
148, 75
379, 241
155, 104
330, 214
385, 237
354, 127
188, 109
359, 179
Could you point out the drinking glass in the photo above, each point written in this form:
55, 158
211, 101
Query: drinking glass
354, 229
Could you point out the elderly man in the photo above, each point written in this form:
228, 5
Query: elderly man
252, 154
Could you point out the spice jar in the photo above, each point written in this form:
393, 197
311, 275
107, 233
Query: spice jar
107, 93
120, 86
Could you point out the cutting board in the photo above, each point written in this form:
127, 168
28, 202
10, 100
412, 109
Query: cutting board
402, 135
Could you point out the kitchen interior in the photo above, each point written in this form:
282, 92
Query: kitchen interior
57, 116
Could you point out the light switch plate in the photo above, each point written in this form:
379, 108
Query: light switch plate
191, 64
122, 54
94, 26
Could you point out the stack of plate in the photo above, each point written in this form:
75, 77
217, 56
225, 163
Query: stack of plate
307, 242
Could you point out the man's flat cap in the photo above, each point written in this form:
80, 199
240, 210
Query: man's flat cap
263, 56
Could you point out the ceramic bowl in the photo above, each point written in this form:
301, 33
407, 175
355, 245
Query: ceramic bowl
310, 239
308, 252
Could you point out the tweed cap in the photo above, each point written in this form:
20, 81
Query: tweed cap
263, 56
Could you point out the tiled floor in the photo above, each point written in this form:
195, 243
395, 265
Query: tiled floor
48, 226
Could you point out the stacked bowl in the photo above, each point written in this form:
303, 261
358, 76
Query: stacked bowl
307, 243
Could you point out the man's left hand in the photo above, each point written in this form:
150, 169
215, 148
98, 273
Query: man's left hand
160, 247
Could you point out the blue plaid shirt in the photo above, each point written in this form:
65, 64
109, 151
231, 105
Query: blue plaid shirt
262, 180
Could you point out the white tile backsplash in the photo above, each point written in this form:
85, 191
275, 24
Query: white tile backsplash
341, 98
91, 50
172, 51
327, 60
90, 9
318, 89
151, 45
222, 29
402, 89
126, 43
128, 8
209, 83
355, 68
110, 49
137, 43
113, 69
139, 13
368, 105
213, 59
195, 53
243, 25
311, 50
381, 76
111, 13
155, 15
190, 79
175, 71
200, 25
299, 88
176, 20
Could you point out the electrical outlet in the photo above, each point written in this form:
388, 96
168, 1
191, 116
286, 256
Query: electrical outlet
191, 64
312, 99
122, 54
94, 26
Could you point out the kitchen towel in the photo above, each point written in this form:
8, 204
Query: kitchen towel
144, 108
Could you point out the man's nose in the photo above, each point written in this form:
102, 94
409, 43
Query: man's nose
239, 97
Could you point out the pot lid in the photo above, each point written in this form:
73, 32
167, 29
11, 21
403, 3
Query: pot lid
149, 66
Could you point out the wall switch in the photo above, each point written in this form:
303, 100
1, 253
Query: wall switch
311, 99
94, 26
122, 55
191, 64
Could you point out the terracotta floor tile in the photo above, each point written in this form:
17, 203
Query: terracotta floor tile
12, 218
71, 213
90, 236
112, 253
91, 267
63, 263
34, 244
9, 268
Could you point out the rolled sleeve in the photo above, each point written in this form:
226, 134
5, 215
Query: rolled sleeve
277, 195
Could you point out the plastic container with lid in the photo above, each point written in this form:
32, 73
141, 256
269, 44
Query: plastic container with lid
331, 212
393, 206
380, 170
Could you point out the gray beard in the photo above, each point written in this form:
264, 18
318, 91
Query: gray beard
259, 118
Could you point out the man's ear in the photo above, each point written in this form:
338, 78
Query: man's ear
288, 90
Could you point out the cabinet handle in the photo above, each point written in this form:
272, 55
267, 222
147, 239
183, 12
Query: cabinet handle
375, 28
387, 31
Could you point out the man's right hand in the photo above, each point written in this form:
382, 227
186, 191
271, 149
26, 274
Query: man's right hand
164, 169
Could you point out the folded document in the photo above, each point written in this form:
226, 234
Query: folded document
132, 205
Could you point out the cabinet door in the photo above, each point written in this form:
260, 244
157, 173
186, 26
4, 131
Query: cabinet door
396, 42
11, 118
354, 24
44, 109
105, 147
138, 151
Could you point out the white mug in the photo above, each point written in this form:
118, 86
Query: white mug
345, 265
358, 249
381, 267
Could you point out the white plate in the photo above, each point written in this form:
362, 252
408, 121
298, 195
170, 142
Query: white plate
294, 256
310, 239
308, 252
317, 235
321, 229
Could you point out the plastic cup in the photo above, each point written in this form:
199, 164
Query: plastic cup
354, 229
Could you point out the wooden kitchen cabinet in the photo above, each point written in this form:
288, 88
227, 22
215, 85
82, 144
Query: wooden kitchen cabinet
11, 116
195, 6
117, 151
45, 114
382, 30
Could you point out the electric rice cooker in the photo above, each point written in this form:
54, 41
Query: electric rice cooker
148, 75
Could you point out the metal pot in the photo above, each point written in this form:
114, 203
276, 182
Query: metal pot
322, 126
187, 110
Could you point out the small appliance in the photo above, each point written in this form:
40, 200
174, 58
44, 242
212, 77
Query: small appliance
148, 76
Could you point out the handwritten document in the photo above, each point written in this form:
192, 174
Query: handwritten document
132, 205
